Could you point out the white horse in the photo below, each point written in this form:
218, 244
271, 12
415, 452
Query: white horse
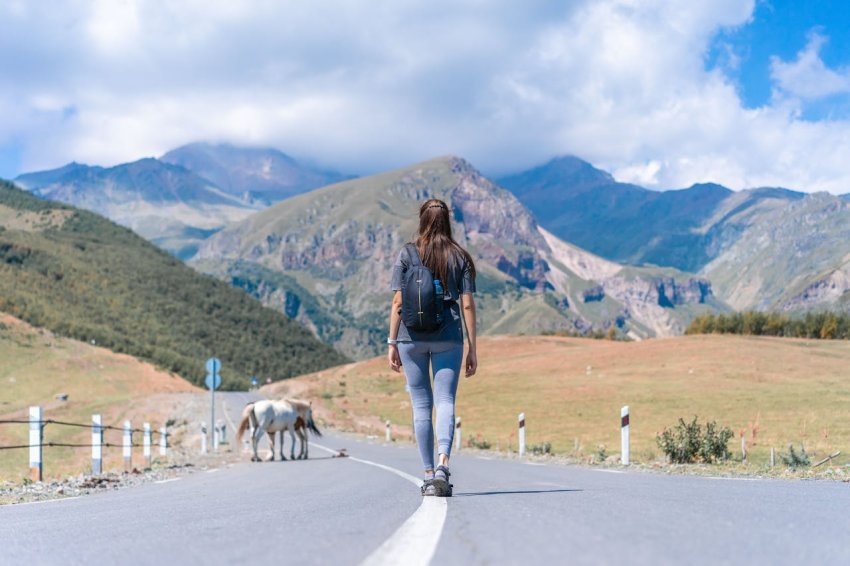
268, 417
293, 415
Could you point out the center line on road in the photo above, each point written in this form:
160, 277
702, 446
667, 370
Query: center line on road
415, 541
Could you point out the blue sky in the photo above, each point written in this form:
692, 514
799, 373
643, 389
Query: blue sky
783, 28
664, 93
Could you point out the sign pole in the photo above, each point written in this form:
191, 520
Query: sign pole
212, 418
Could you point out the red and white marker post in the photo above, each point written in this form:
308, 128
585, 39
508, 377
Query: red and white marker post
624, 435
389, 437
96, 445
163, 441
128, 446
146, 444
522, 434
35, 443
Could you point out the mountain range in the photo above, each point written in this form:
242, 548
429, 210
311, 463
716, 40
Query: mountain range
185, 196
764, 248
566, 247
325, 258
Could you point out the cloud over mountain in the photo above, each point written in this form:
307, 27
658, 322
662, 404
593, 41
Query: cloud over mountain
364, 86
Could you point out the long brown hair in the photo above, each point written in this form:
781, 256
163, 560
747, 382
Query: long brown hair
435, 243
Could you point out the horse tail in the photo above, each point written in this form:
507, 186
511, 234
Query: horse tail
311, 424
247, 417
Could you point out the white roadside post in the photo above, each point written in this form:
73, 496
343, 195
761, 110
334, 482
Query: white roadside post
146, 444
96, 445
128, 446
223, 427
624, 435
772, 457
203, 438
163, 441
216, 436
213, 382
522, 434
35, 443
743, 449
457, 434
389, 437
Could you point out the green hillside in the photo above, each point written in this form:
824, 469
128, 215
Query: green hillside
82, 276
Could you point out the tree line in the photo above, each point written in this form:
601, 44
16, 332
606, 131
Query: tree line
822, 325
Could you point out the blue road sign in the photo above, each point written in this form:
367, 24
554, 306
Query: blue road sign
213, 381
213, 366
253, 381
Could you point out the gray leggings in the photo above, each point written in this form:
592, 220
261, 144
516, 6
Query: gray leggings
445, 359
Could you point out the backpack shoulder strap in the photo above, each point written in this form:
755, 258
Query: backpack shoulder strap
414, 254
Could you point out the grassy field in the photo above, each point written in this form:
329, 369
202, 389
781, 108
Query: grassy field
774, 391
37, 366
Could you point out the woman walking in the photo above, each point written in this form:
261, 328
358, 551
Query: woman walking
426, 330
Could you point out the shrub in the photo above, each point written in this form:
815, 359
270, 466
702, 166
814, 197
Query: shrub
540, 449
478, 441
601, 453
689, 442
794, 459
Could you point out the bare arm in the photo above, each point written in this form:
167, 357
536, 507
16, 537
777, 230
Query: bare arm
395, 320
468, 308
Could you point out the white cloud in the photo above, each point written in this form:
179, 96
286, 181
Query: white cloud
808, 77
363, 85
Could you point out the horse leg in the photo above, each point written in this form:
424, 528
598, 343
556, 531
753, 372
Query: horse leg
282, 435
271, 445
292, 436
255, 439
303, 435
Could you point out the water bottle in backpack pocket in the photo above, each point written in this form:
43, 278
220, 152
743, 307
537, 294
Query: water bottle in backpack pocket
422, 296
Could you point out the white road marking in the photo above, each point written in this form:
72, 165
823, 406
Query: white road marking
610, 471
45, 501
214, 470
730, 479
415, 541
533, 464
168, 480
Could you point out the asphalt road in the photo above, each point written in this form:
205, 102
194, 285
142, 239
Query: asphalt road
367, 508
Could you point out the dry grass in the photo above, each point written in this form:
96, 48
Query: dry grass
775, 391
36, 366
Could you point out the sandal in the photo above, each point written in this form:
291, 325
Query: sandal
442, 487
427, 487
